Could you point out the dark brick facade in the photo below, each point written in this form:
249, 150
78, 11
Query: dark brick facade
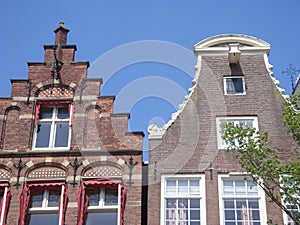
100, 139
189, 144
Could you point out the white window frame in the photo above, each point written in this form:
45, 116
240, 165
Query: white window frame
48, 210
261, 197
111, 208
285, 216
235, 120
53, 121
201, 195
230, 77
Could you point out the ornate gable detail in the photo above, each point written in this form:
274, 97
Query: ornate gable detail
47, 172
55, 92
103, 171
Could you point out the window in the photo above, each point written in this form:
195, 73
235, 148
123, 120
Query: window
234, 85
183, 200
4, 200
247, 121
101, 200
43, 207
52, 130
242, 202
43, 203
102, 206
293, 208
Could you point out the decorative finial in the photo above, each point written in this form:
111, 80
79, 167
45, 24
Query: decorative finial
62, 24
291, 72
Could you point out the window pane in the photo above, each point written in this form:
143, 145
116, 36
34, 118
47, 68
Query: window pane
229, 215
93, 198
63, 113
111, 197
183, 187
171, 203
62, 135
36, 200
234, 85
53, 198
45, 219
194, 187
195, 215
228, 187
195, 203
171, 187
43, 135
45, 113
106, 218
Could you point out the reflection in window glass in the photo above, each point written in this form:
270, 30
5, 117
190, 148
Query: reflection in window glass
36, 200
111, 197
63, 113
93, 198
234, 85
62, 135
43, 135
45, 113
43, 219
53, 198
106, 218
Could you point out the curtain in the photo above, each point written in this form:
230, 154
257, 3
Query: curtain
31, 187
4, 202
96, 184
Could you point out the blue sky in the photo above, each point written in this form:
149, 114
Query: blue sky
97, 27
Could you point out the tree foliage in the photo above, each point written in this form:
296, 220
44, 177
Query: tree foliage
279, 180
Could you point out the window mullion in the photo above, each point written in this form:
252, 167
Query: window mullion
45, 199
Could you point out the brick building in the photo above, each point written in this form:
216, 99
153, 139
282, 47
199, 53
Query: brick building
65, 157
192, 179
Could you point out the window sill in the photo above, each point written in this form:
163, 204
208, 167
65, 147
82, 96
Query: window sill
51, 149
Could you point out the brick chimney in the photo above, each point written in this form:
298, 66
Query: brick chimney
61, 34
64, 52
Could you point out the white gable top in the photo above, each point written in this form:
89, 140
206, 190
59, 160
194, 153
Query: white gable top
220, 43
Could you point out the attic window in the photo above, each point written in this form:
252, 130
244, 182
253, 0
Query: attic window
53, 126
234, 85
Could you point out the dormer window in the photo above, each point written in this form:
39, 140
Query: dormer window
234, 85
53, 127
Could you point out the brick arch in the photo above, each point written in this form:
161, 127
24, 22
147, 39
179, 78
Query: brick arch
103, 169
10, 128
47, 171
50, 90
91, 138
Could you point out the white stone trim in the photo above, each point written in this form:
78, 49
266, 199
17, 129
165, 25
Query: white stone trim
86, 97
29, 164
20, 98
239, 38
85, 163
269, 68
26, 116
72, 85
39, 85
